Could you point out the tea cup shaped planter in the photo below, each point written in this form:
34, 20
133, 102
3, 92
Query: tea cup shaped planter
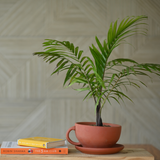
102, 78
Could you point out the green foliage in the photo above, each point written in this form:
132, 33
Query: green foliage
100, 77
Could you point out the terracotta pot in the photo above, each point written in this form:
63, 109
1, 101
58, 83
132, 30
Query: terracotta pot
95, 136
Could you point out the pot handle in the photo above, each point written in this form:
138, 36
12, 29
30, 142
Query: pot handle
67, 136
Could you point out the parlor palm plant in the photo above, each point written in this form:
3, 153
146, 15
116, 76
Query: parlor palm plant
100, 77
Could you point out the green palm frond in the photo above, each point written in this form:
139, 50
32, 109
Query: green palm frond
101, 78
116, 35
121, 76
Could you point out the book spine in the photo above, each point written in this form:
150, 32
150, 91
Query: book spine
31, 143
34, 151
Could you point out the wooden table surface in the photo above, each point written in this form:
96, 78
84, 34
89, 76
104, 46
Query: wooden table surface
151, 149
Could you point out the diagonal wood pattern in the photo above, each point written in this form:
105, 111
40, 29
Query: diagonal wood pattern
32, 103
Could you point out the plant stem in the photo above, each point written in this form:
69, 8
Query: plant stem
98, 115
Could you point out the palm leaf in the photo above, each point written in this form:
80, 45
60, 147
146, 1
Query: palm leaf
102, 79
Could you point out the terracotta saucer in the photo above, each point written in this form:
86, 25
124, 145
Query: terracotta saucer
116, 148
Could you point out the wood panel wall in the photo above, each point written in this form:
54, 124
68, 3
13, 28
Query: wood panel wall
33, 103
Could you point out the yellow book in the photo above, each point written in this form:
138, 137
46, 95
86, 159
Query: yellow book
41, 142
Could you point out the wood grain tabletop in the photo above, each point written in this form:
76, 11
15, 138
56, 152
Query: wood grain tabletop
128, 153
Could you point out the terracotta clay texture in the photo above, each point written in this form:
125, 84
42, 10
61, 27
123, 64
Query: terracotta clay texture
95, 136
116, 148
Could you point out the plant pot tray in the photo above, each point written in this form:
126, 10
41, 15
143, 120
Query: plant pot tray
126, 154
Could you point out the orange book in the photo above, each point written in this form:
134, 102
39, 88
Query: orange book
9, 147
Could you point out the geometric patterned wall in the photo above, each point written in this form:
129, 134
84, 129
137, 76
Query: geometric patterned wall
33, 103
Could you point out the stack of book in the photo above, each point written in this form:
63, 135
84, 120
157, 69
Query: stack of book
35, 145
